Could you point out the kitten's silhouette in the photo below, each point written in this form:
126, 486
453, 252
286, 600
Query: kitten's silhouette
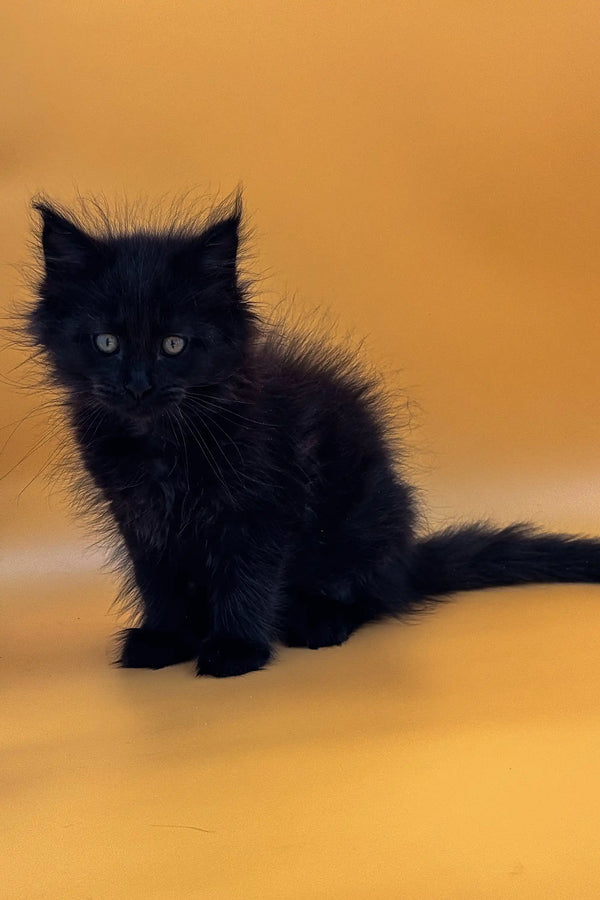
250, 475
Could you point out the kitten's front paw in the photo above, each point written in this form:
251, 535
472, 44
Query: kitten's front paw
147, 648
224, 656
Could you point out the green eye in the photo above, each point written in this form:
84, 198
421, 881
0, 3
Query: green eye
173, 345
106, 343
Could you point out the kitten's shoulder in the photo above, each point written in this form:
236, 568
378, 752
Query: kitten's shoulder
297, 360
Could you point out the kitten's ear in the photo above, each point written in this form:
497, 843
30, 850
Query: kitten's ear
66, 247
212, 255
220, 243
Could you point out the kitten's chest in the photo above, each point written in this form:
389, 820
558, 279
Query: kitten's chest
148, 488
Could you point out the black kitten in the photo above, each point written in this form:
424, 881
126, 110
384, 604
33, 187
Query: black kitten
251, 476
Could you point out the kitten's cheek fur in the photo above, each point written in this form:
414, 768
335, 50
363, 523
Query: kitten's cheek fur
225, 656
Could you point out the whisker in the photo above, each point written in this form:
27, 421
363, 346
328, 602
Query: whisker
173, 420
245, 475
201, 443
225, 411
49, 461
38, 410
45, 439
211, 419
185, 519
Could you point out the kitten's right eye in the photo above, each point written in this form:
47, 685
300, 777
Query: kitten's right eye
106, 343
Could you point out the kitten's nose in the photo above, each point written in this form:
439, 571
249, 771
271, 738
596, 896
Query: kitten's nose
138, 386
138, 393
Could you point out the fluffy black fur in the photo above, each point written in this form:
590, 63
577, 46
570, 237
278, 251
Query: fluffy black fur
252, 475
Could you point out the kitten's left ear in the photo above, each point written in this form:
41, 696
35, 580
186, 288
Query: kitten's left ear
221, 242
212, 255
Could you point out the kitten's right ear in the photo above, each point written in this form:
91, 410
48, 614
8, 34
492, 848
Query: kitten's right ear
66, 247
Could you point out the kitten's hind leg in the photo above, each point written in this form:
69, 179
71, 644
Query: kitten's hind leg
151, 648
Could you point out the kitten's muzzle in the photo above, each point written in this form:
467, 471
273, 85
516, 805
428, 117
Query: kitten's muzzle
138, 387
138, 393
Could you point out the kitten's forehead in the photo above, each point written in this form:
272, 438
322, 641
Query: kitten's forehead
143, 262
140, 290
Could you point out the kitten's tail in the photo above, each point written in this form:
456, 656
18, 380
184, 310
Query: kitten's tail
479, 556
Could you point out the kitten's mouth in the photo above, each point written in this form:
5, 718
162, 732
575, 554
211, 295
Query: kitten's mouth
134, 409
142, 419
140, 411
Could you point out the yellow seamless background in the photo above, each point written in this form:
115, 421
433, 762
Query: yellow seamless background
430, 173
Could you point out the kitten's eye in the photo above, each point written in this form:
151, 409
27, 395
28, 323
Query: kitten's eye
173, 345
106, 343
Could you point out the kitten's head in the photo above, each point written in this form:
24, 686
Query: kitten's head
133, 322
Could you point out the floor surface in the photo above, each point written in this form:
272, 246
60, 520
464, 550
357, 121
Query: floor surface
452, 757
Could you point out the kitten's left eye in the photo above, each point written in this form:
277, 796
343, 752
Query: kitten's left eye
173, 345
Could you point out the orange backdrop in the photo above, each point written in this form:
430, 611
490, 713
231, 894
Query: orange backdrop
430, 173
